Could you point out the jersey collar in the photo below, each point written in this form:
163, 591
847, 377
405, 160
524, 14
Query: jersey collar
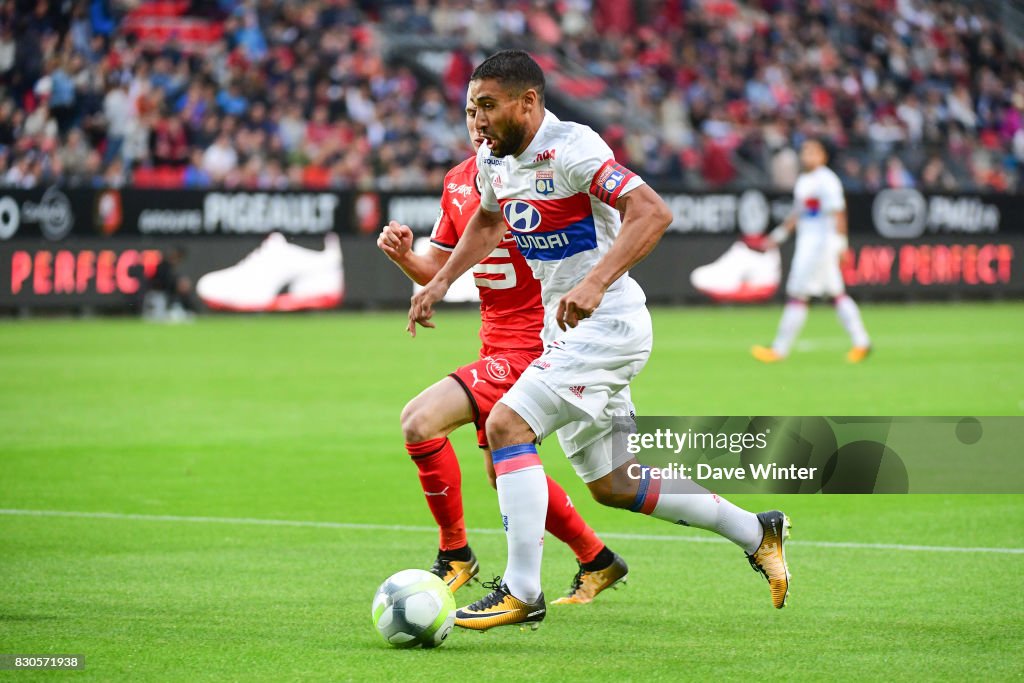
537, 142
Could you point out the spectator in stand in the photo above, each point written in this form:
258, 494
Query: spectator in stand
23, 173
8, 48
873, 180
851, 174
118, 112
170, 142
74, 157
114, 175
785, 167
11, 122
231, 100
935, 177
896, 174
196, 177
220, 159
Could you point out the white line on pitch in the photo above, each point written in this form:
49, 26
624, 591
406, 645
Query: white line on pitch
354, 526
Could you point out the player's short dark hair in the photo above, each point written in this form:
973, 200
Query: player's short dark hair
820, 142
514, 69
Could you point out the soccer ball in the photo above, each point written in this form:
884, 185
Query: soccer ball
414, 607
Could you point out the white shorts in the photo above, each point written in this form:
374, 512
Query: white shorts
815, 270
581, 383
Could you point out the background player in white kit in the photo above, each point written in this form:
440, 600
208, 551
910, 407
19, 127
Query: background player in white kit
819, 217
556, 186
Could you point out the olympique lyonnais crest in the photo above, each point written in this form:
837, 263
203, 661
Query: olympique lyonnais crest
498, 368
544, 182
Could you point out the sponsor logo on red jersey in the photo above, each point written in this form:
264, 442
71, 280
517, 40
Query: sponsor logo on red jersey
458, 188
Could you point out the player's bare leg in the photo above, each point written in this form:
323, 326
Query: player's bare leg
761, 536
427, 420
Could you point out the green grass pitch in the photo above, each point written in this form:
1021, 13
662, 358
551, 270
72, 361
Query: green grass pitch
237, 420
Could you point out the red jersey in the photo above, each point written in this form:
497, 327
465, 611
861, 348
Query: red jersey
511, 311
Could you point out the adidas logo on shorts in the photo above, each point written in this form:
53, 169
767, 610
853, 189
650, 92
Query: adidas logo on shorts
577, 391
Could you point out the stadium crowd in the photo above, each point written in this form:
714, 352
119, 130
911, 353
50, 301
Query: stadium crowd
284, 94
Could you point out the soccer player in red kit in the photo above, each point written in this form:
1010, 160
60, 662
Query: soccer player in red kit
512, 316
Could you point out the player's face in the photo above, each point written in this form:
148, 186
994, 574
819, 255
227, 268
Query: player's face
475, 136
500, 116
812, 155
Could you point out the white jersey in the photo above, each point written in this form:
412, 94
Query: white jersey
818, 195
558, 199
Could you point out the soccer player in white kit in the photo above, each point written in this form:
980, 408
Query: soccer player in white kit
819, 217
557, 187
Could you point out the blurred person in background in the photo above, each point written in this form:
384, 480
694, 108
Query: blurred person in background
220, 158
896, 174
819, 219
935, 177
168, 293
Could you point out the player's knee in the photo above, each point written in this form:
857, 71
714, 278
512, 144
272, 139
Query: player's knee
612, 499
606, 493
506, 428
616, 489
416, 424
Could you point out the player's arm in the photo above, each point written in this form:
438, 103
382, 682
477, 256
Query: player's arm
483, 233
784, 230
843, 234
645, 218
841, 224
395, 240
835, 202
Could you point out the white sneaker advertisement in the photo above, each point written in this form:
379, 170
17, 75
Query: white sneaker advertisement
278, 276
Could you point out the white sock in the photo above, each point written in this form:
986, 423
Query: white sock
711, 512
849, 315
523, 499
794, 315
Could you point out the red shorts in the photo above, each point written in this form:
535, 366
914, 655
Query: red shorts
487, 380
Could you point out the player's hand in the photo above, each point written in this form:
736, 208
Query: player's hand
395, 240
578, 304
421, 308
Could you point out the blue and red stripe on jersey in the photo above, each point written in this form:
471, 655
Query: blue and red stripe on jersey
551, 229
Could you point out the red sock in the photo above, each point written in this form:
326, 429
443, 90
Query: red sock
441, 480
565, 524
